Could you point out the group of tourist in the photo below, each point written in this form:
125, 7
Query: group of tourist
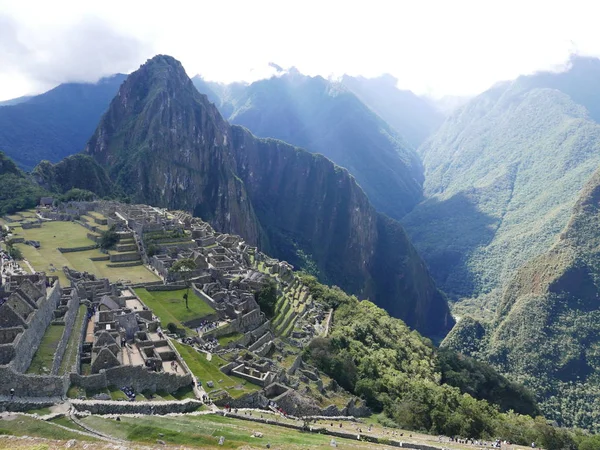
129, 392
206, 325
209, 344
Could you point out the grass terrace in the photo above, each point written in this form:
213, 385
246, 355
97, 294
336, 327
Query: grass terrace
226, 339
169, 307
206, 370
41, 363
70, 356
19, 425
68, 235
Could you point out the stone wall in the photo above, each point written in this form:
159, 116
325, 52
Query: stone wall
31, 337
82, 332
27, 385
124, 257
166, 287
28, 225
70, 317
124, 407
77, 249
138, 377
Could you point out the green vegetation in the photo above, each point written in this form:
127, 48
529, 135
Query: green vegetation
547, 329
17, 191
70, 356
204, 432
184, 268
109, 238
267, 297
41, 363
68, 234
226, 339
169, 307
502, 175
39, 411
28, 426
206, 370
400, 373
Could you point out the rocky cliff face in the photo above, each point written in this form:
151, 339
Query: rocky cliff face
165, 144
325, 117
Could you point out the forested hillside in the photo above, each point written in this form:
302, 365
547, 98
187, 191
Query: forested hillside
419, 387
17, 190
326, 117
547, 329
502, 174
55, 124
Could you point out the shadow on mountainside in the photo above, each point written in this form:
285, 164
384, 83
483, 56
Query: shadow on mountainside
446, 233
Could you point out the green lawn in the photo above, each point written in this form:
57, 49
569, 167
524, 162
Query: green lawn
39, 411
68, 234
206, 370
28, 426
224, 340
70, 356
169, 306
204, 432
42, 360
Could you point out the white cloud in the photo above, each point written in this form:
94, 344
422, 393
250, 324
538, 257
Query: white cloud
431, 46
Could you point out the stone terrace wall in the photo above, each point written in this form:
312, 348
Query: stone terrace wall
30, 339
137, 377
32, 385
123, 407
166, 287
64, 340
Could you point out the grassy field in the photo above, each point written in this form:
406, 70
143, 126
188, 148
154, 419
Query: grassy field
67, 234
224, 340
169, 307
204, 432
70, 356
42, 360
18, 425
206, 370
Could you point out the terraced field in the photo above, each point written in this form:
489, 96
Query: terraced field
53, 235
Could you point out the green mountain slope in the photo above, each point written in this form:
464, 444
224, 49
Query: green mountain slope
415, 118
502, 174
17, 190
55, 124
327, 118
547, 329
164, 143
76, 171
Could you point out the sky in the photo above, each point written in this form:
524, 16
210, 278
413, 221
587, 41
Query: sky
433, 47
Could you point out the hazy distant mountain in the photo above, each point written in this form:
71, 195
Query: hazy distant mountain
326, 117
414, 117
55, 124
449, 103
164, 143
15, 101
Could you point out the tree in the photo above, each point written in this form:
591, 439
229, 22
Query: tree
267, 297
109, 238
15, 253
184, 267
